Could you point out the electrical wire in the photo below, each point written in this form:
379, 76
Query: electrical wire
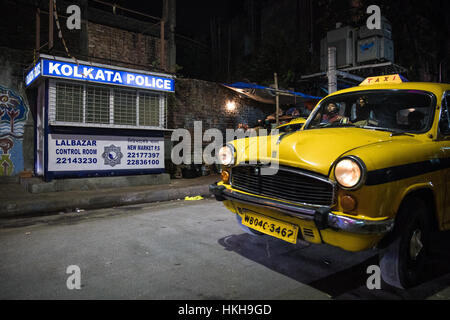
60, 35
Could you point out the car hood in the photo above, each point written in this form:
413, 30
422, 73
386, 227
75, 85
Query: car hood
315, 150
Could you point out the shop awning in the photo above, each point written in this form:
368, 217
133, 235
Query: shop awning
267, 95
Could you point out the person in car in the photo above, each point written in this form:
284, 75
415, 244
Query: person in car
415, 120
332, 114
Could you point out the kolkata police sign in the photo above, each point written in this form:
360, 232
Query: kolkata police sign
96, 74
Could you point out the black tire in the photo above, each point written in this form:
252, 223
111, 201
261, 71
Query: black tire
402, 262
247, 229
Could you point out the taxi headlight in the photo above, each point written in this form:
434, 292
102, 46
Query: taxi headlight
349, 172
226, 155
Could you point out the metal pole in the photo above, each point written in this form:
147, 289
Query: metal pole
163, 51
50, 24
332, 74
311, 8
38, 30
277, 100
171, 43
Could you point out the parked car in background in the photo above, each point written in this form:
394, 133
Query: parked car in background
292, 126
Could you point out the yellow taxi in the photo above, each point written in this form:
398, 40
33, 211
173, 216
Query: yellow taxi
369, 169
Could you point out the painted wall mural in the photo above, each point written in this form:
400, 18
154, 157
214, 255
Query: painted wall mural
13, 116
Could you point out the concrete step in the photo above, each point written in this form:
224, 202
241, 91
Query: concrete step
14, 202
37, 185
9, 180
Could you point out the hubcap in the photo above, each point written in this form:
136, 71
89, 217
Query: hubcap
415, 245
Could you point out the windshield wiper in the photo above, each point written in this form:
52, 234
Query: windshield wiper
335, 125
394, 132
401, 133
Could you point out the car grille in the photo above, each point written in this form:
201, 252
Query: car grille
289, 184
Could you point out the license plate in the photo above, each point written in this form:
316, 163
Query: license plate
275, 228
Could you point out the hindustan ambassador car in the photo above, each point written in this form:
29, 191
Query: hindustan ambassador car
369, 169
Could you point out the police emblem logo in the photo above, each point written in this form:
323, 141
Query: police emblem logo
112, 155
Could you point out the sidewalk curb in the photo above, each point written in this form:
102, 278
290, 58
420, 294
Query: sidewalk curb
55, 203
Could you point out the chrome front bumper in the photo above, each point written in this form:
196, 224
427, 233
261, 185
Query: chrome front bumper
322, 216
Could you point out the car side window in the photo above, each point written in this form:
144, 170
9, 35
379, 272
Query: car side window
444, 125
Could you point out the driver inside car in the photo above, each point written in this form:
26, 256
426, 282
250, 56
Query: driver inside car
332, 114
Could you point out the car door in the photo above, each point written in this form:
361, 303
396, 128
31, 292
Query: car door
444, 128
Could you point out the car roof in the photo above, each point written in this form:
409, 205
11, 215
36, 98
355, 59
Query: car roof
436, 88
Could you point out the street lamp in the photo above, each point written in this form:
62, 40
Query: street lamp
231, 106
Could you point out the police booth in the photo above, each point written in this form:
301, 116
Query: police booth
97, 120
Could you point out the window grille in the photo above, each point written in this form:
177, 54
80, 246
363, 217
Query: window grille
69, 102
149, 109
104, 106
97, 105
125, 107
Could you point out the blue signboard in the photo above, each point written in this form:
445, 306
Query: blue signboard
72, 71
33, 74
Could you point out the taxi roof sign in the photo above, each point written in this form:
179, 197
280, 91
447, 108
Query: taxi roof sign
392, 78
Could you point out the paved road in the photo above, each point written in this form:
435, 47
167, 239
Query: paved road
184, 250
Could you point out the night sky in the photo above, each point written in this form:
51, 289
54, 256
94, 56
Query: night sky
192, 16
420, 34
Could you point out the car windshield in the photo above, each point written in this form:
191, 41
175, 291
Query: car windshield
390, 110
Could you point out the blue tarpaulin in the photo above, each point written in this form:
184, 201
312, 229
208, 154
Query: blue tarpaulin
267, 94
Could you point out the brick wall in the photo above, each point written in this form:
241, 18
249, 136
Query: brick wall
121, 47
198, 100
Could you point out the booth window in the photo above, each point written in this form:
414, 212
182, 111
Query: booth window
148, 109
105, 106
125, 107
97, 105
69, 102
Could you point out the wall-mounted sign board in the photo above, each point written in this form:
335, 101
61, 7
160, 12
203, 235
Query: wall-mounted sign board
87, 154
98, 74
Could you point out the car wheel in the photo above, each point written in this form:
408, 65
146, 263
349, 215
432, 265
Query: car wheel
402, 262
247, 229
